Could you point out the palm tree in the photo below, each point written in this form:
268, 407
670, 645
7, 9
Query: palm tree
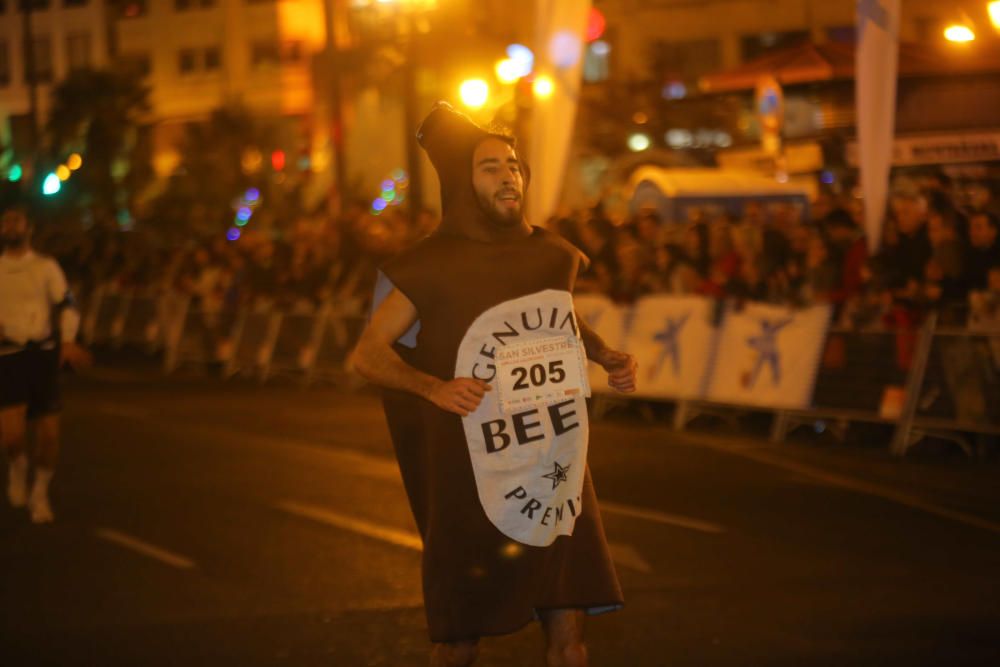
100, 115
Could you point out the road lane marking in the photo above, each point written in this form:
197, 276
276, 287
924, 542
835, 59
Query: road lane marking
127, 411
401, 538
145, 548
627, 556
623, 554
660, 517
867, 488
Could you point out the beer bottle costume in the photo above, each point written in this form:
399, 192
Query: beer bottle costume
502, 498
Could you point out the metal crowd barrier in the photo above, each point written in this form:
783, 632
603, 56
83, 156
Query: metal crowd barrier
256, 343
934, 381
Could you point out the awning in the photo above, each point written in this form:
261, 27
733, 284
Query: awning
831, 61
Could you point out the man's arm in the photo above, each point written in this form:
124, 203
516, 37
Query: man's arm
69, 319
376, 361
621, 367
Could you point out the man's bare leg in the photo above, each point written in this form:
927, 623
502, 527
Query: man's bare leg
564, 645
47, 455
13, 439
455, 654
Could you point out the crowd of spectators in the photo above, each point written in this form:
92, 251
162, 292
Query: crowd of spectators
314, 261
936, 252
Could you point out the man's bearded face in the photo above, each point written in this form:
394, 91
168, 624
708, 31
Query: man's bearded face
14, 230
498, 182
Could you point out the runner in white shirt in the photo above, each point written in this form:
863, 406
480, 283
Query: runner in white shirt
38, 326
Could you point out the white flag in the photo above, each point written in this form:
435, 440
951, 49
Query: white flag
875, 92
560, 27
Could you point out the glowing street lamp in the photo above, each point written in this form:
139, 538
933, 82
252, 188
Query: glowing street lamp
508, 71
959, 34
543, 87
474, 93
994, 10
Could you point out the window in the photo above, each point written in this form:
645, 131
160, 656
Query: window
4, 63
292, 52
213, 58
133, 9
264, 54
268, 53
42, 55
208, 59
78, 50
754, 46
186, 61
136, 63
686, 60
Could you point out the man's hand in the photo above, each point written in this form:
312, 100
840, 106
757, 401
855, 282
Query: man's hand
460, 396
622, 369
74, 356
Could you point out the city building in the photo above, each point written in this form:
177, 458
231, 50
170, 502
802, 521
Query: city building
66, 35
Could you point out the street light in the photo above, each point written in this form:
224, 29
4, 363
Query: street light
994, 10
543, 87
959, 34
474, 93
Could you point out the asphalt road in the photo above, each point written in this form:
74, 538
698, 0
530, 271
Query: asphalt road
209, 523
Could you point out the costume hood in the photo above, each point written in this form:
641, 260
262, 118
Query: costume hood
450, 139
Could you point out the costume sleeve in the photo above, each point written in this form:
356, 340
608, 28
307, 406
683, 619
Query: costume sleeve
410, 274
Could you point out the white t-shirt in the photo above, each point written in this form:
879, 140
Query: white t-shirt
30, 285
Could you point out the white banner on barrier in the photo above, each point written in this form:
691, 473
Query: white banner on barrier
768, 356
608, 321
673, 339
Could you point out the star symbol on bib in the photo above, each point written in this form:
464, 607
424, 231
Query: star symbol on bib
558, 474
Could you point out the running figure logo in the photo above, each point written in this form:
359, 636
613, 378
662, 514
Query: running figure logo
669, 339
766, 346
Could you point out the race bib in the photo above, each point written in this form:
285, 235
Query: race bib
528, 437
536, 373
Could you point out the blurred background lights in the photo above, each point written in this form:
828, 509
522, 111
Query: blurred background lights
244, 213
523, 56
565, 49
251, 160
638, 142
474, 93
398, 175
543, 87
278, 160
827, 177
509, 71
675, 90
640, 118
388, 185
252, 195
51, 185
15, 173
600, 48
233, 234
959, 34
679, 138
596, 24
62, 171
994, 10
379, 204
74, 161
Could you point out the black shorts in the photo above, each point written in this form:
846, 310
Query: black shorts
31, 377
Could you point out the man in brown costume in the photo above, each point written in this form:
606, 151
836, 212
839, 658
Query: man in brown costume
487, 411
